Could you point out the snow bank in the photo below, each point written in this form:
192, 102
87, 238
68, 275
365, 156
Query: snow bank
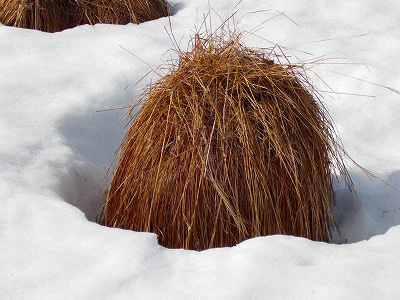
55, 149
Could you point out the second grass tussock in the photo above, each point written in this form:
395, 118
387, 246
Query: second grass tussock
229, 145
57, 15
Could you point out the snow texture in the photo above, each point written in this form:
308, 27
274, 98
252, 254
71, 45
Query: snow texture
55, 149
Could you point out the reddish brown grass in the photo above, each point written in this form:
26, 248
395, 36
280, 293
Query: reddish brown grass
57, 15
229, 145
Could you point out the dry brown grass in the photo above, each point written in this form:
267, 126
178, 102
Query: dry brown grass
227, 146
57, 15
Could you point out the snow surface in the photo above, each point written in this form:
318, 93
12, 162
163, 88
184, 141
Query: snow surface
55, 149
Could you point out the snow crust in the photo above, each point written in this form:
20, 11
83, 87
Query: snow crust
55, 149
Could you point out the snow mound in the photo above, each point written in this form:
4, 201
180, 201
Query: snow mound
56, 147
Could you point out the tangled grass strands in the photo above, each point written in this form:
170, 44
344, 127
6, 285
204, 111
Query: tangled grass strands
44, 15
124, 11
227, 146
57, 15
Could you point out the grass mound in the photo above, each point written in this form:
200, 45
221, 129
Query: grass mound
227, 146
57, 15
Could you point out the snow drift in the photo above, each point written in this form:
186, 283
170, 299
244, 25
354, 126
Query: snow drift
55, 150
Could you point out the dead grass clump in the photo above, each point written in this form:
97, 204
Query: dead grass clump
123, 11
57, 15
229, 145
45, 15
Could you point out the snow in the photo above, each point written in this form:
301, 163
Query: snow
55, 149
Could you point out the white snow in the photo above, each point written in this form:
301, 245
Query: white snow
55, 150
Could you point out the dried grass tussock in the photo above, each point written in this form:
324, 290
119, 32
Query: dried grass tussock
229, 145
57, 15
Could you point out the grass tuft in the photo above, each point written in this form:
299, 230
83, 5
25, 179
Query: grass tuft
229, 145
58, 15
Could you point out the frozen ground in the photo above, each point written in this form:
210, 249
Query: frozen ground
55, 150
